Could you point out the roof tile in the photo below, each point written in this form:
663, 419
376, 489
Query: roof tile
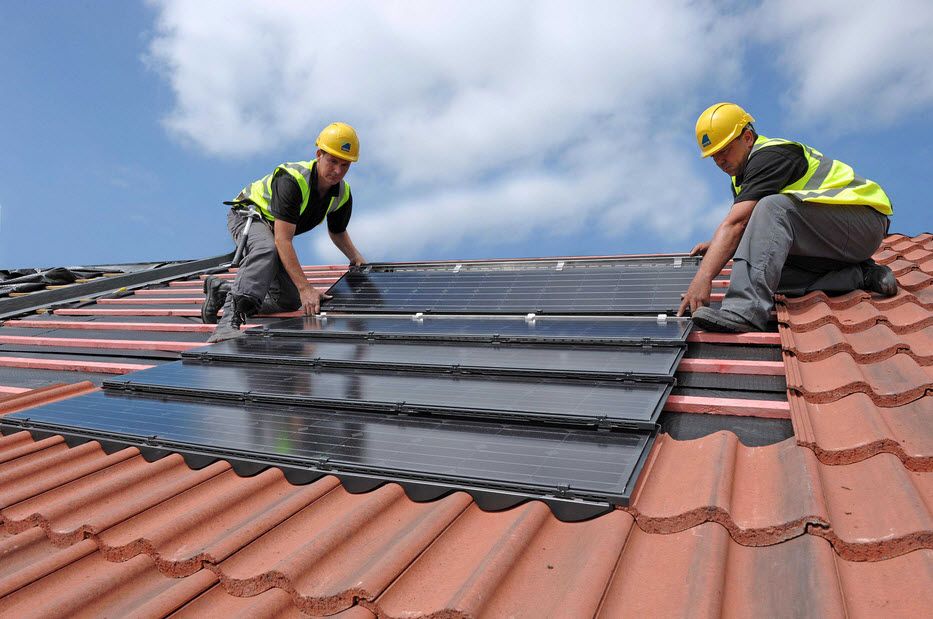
341, 547
875, 343
893, 381
853, 428
762, 495
209, 522
95, 587
496, 564
102, 499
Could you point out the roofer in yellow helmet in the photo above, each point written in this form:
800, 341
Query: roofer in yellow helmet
800, 222
292, 199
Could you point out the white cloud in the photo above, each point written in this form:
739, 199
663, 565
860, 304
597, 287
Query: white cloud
483, 123
852, 64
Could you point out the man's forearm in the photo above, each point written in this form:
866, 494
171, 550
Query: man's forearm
289, 258
343, 242
721, 249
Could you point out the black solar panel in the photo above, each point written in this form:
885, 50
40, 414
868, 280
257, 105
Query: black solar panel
547, 329
501, 359
579, 289
620, 403
580, 473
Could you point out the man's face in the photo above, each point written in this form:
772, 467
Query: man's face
732, 158
330, 169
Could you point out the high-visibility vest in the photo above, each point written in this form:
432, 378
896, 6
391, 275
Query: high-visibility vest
260, 192
827, 181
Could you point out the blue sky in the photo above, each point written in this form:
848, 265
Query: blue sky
487, 129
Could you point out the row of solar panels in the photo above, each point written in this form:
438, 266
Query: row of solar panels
562, 409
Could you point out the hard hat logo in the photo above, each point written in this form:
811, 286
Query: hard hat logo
340, 140
705, 141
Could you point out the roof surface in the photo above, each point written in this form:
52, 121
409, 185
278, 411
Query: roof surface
836, 520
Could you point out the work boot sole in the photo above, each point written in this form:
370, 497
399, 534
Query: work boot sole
210, 308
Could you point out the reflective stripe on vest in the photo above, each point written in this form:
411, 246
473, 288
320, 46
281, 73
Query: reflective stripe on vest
827, 181
260, 192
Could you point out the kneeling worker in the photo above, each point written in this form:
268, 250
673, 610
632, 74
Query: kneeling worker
800, 222
291, 200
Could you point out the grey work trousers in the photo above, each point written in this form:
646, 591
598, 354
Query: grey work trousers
261, 275
793, 247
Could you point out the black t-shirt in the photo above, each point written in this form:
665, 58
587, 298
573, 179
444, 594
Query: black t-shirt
286, 203
770, 170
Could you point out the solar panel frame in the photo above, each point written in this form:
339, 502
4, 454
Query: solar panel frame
473, 461
533, 360
583, 329
621, 403
601, 289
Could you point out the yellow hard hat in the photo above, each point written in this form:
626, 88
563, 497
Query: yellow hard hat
720, 124
339, 139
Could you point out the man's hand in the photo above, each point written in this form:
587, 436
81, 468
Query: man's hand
311, 299
357, 261
697, 295
700, 249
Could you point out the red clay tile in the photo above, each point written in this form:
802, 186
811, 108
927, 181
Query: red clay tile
810, 299
916, 255
341, 547
902, 245
891, 382
898, 587
21, 443
209, 522
26, 557
885, 256
873, 344
273, 603
43, 470
914, 280
904, 318
878, 509
853, 428
901, 266
44, 395
510, 564
94, 587
762, 495
93, 503
703, 573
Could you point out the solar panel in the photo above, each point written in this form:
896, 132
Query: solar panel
608, 289
579, 473
500, 359
548, 329
617, 403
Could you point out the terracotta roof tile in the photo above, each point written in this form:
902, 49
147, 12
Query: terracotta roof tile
209, 522
893, 381
903, 318
341, 547
702, 572
95, 587
873, 344
494, 564
854, 428
766, 495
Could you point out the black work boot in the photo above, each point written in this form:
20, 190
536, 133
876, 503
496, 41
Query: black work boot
878, 278
215, 293
723, 322
234, 317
